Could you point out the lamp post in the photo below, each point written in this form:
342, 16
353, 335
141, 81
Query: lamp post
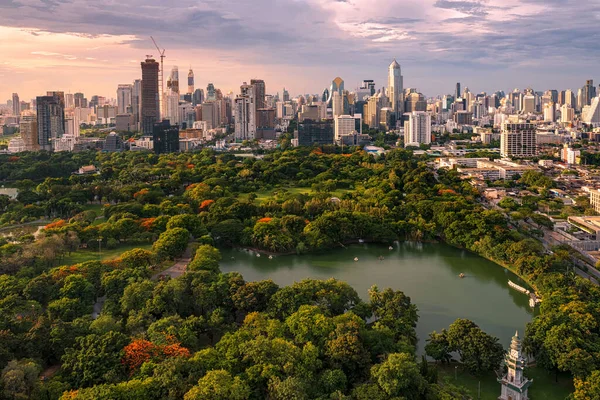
99, 240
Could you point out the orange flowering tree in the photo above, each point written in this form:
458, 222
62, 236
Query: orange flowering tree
140, 351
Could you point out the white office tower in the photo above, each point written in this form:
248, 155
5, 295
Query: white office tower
347, 124
567, 114
396, 88
591, 113
550, 112
124, 93
417, 128
172, 108
245, 114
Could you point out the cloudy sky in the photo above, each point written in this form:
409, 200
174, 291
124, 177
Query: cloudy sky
91, 46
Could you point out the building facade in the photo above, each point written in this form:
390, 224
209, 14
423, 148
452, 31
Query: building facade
50, 120
315, 133
417, 128
124, 95
165, 137
150, 96
395, 88
518, 140
245, 114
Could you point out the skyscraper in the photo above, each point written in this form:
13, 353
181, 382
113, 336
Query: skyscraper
80, 101
29, 131
245, 113
165, 137
396, 88
124, 98
417, 129
69, 100
457, 93
150, 99
136, 102
588, 93
259, 92
518, 140
210, 92
286, 95
198, 97
50, 120
173, 81
190, 81
16, 104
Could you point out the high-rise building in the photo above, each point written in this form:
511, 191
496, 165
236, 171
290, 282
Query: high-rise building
16, 105
591, 113
50, 120
347, 124
69, 100
198, 97
210, 92
567, 114
172, 107
337, 104
518, 140
173, 81
588, 93
80, 101
259, 92
245, 113
136, 103
29, 131
417, 128
415, 102
190, 81
124, 98
550, 112
165, 137
396, 88
150, 96
113, 142
285, 95
315, 132
528, 104
457, 92
570, 99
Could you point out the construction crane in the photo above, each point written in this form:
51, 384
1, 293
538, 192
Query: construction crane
162, 81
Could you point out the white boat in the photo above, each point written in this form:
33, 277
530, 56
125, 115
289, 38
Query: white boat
258, 255
355, 258
270, 257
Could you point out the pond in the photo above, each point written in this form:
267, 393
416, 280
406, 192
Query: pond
428, 273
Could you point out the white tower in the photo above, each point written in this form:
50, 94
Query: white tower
514, 384
395, 88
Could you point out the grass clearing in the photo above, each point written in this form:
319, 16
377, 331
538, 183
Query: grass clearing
84, 255
263, 195
544, 386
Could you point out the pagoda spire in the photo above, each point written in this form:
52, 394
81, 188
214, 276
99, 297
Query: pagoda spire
514, 384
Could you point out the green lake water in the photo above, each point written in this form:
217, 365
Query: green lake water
428, 273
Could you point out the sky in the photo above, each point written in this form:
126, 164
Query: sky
487, 45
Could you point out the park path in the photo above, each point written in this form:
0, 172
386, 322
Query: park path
175, 271
178, 268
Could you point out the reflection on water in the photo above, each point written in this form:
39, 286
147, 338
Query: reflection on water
428, 273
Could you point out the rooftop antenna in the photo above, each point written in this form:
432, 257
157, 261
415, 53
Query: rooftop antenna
162, 81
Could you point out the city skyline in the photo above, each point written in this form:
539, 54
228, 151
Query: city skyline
300, 45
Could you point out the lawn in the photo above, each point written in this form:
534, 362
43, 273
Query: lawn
543, 388
266, 194
97, 208
90, 255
